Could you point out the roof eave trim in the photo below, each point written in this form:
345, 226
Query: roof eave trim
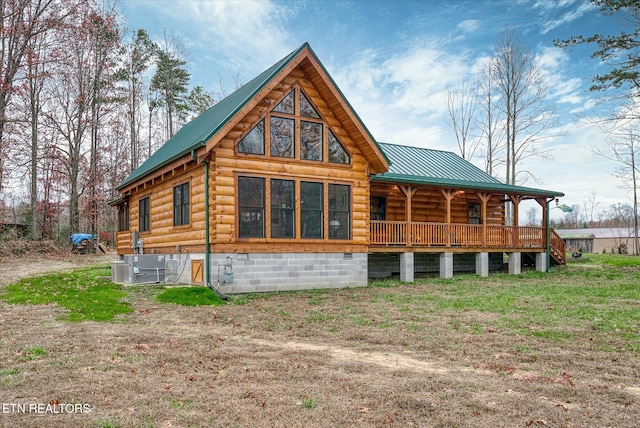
493, 187
183, 153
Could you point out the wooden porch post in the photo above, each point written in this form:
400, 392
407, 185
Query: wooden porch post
408, 193
543, 203
448, 195
484, 198
516, 199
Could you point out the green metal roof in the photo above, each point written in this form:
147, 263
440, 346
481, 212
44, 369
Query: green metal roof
439, 168
407, 164
196, 133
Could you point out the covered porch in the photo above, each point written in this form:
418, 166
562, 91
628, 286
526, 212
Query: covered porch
408, 218
438, 206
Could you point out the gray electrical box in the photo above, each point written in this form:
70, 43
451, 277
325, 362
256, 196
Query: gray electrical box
144, 269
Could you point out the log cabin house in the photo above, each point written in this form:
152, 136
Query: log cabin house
280, 186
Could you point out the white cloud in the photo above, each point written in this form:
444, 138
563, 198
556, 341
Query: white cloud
469, 25
562, 89
586, 106
550, 5
246, 35
401, 98
571, 15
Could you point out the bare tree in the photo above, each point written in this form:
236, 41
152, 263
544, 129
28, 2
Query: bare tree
623, 148
461, 106
590, 206
103, 39
37, 73
77, 99
528, 115
20, 22
489, 119
532, 217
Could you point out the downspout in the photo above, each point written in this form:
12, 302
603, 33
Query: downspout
207, 253
548, 235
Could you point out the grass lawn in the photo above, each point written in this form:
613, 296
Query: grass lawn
536, 349
84, 292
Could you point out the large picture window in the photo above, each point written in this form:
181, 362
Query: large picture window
144, 214
306, 108
282, 137
253, 142
181, 205
287, 104
283, 208
339, 211
251, 207
337, 153
293, 129
321, 206
310, 140
311, 209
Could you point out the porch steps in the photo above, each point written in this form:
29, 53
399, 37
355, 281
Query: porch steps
558, 249
558, 258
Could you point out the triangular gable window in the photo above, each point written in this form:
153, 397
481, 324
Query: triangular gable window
337, 153
306, 108
253, 142
287, 105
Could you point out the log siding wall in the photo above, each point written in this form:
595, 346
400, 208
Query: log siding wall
163, 237
229, 164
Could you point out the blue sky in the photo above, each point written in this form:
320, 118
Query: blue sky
394, 61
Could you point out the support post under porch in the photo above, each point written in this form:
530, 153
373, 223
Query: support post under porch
515, 263
541, 262
482, 264
446, 265
407, 267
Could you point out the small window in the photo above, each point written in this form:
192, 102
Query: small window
251, 207
123, 217
475, 213
181, 205
253, 142
287, 104
282, 137
283, 219
377, 207
339, 211
311, 210
310, 140
306, 108
337, 153
144, 215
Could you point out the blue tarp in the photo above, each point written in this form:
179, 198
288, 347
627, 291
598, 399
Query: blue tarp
77, 238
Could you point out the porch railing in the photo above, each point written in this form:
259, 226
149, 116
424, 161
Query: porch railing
400, 233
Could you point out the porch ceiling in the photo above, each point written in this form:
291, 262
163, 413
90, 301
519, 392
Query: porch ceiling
464, 184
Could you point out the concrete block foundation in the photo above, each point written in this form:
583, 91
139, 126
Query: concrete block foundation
482, 264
